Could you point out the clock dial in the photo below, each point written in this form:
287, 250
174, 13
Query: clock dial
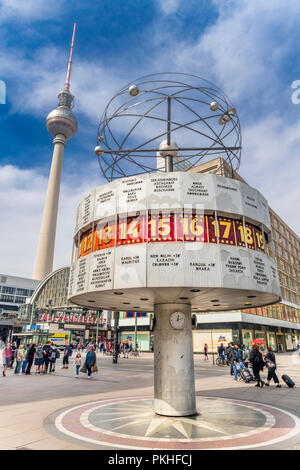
177, 320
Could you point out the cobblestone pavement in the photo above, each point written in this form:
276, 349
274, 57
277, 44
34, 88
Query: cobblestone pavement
60, 411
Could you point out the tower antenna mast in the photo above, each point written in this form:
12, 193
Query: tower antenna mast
67, 84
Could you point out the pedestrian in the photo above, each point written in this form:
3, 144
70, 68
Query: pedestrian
14, 348
39, 359
230, 356
53, 356
126, 350
256, 359
90, 361
270, 361
236, 364
30, 357
19, 359
67, 353
47, 353
24, 365
77, 363
205, 352
7, 355
244, 355
221, 353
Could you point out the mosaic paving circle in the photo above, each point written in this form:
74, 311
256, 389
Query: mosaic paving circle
220, 424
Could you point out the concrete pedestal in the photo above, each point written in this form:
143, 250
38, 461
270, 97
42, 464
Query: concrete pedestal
174, 384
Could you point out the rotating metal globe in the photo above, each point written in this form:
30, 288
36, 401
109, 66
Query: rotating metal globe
167, 107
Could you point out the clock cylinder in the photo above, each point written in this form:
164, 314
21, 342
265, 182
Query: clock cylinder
174, 387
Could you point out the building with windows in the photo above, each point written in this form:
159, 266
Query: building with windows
279, 324
50, 315
14, 291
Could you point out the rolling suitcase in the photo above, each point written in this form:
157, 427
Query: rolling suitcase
288, 381
246, 375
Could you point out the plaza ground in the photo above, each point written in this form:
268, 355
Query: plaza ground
29, 405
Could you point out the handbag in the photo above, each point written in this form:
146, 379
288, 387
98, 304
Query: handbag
83, 370
95, 368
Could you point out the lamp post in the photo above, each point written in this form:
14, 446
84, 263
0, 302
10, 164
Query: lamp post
135, 332
97, 327
32, 314
116, 327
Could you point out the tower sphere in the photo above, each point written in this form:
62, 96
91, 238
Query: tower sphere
62, 121
164, 149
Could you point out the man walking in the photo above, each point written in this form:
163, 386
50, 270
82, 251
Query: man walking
67, 354
47, 350
230, 356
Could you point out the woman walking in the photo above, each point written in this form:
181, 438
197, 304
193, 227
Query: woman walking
7, 355
20, 359
270, 361
90, 361
256, 359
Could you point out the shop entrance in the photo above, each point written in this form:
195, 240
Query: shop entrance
280, 342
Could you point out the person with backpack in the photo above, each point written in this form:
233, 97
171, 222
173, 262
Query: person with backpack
67, 353
270, 361
39, 359
256, 359
54, 355
47, 353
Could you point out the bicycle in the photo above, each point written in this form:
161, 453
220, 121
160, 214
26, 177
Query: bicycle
219, 362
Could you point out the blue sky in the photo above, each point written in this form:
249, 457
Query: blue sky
249, 49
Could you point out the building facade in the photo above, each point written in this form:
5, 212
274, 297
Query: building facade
14, 291
277, 324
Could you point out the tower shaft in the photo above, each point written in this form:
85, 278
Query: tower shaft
45, 252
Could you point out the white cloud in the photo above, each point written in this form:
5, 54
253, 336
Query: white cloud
28, 9
22, 196
271, 163
169, 6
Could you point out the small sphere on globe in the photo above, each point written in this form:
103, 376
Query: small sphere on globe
168, 150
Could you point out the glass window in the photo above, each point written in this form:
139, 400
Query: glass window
6, 298
8, 290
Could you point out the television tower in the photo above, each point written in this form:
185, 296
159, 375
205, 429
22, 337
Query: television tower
62, 125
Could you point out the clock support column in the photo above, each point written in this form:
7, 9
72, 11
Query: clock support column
174, 384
